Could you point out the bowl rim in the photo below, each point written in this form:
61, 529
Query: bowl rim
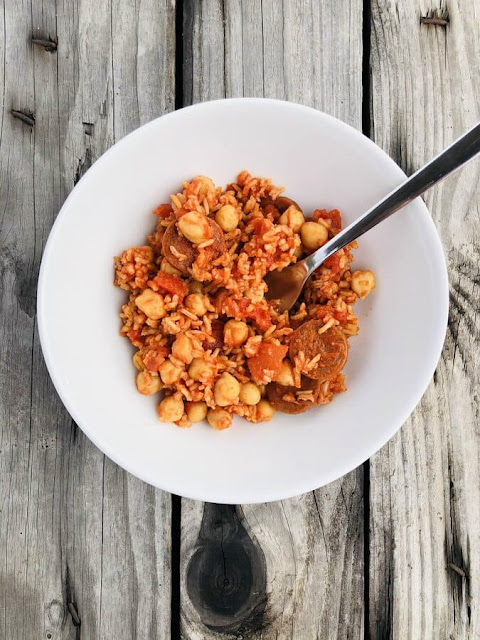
270, 494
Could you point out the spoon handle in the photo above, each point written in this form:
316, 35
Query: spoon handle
452, 158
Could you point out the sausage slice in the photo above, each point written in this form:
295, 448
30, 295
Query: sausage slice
181, 253
331, 345
174, 246
276, 393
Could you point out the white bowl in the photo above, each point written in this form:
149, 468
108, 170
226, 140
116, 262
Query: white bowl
323, 163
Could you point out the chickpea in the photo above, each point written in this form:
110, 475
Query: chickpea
263, 390
226, 390
151, 303
195, 227
201, 370
195, 302
250, 393
137, 361
169, 373
227, 218
196, 411
147, 383
182, 348
293, 218
202, 187
313, 235
363, 282
170, 409
235, 333
264, 411
285, 377
219, 419
166, 267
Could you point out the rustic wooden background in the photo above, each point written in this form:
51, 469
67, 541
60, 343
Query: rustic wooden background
87, 551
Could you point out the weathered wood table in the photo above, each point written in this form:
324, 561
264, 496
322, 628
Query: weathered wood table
87, 551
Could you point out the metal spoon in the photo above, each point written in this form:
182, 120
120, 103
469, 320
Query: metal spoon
286, 285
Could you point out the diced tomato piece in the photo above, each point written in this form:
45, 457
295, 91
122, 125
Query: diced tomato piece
271, 210
229, 306
244, 305
170, 283
334, 215
261, 317
336, 218
266, 364
341, 316
320, 213
154, 357
245, 308
322, 312
163, 210
260, 226
134, 336
333, 263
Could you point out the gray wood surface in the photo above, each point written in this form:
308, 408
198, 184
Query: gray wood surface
391, 551
425, 483
312, 546
74, 528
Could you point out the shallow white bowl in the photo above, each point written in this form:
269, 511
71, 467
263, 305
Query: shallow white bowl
322, 162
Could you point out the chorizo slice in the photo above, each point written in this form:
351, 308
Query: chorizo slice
181, 253
331, 345
277, 392
169, 283
218, 247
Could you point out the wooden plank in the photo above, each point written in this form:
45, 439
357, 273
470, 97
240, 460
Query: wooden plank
17, 241
425, 484
136, 517
82, 540
291, 569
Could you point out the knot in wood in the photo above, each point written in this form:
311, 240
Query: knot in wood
226, 576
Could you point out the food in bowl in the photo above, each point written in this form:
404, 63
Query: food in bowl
204, 333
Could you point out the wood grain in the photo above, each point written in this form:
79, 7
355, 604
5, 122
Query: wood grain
425, 484
85, 546
312, 546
